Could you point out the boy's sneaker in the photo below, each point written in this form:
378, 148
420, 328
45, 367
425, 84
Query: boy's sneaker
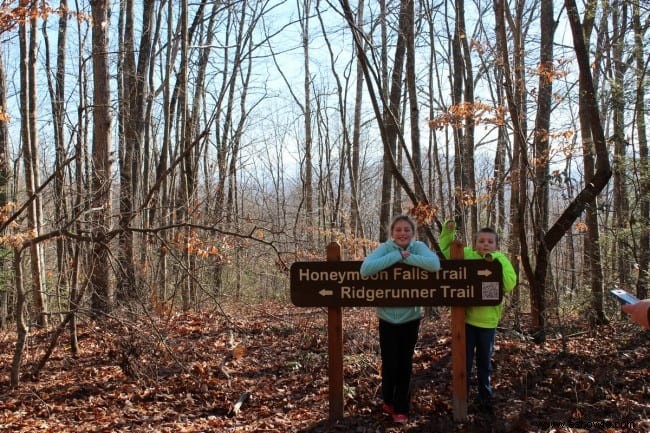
387, 408
400, 418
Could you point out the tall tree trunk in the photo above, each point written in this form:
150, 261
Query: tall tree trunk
459, 133
435, 192
308, 181
356, 226
29, 136
102, 292
57, 98
592, 241
386, 93
414, 112
468, 181
132, 112
187, 176
21, 326
620, 163
159, 290
127, 82
80, 201
641, 73
391, 117
590, 191
514, 87
4, 180
541, 163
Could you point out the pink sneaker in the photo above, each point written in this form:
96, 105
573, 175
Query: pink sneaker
400, 418
387, 408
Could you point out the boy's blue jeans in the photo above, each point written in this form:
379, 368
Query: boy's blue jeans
481, 341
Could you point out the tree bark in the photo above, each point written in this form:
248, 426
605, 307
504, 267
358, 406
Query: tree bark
641, 73
102, 292
620, 164
29, 140
57, 98
4, 180
592, 252
355, 217
308, 181
134, 85
21, 327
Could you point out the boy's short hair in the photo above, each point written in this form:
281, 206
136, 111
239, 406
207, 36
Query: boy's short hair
488, 230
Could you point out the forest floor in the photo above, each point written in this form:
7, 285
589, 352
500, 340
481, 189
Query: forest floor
185, 373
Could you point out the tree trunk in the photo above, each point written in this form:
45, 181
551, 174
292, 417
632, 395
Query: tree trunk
57, 97
591, 190
22, 329
458, 133
388, 90
541, 163
132, 110
468, 180
356, 226
4, 181
643, 279
29, 135
592, 253
308, 181
514, 88
187, 176
620, 164
414, 112
102, 293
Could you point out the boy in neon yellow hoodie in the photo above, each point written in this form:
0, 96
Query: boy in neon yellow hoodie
481, 322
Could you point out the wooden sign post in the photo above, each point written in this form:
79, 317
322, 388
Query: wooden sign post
335, 346
335, 284
458, 351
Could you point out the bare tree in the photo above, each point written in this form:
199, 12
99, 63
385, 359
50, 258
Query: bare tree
102, 292
592, 243
516, 97
641, 76
21, 325
29, 137
354, 152
619, 17
132, 119
56, 89
4, 182
390, 116
308, 181
463, 95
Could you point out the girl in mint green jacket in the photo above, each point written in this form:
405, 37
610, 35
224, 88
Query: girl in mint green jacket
481, 322
398, 326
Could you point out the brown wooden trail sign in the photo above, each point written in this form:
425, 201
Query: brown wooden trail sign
458, 283
335, 284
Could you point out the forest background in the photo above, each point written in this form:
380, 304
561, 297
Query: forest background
173, 156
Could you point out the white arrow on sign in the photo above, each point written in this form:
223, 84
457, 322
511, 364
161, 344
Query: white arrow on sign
484, 273
324, 292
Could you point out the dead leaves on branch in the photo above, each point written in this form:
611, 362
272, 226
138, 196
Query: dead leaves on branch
476, 113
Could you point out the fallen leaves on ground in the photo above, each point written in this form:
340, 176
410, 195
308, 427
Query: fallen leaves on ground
264, 368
